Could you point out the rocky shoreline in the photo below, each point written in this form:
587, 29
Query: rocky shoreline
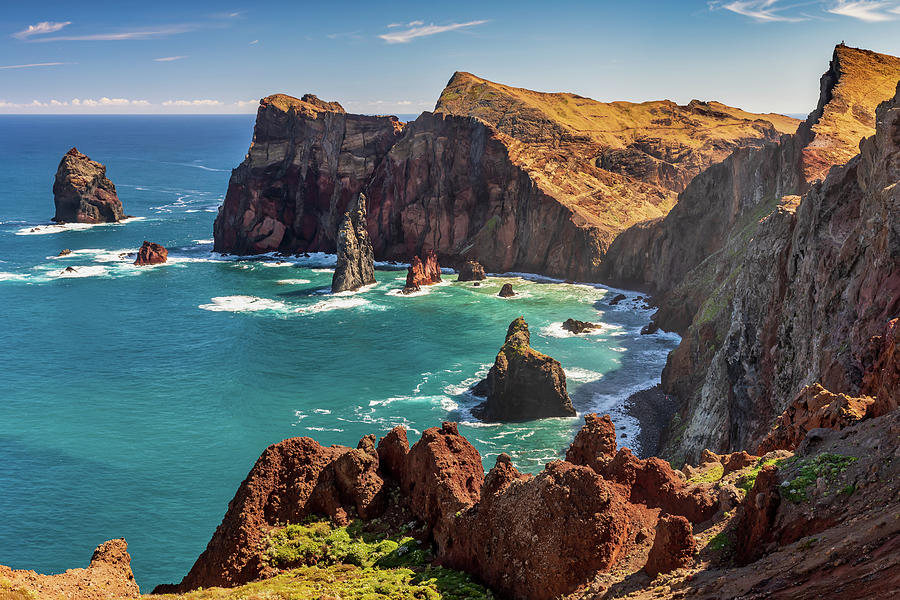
654, 410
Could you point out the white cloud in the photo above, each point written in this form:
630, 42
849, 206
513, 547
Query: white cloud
169, 58
421, 30
204, 102
107, 104
871, 11
763, 11
254, 42
49, 64
41, 28
137, 34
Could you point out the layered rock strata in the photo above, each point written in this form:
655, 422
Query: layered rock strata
523, 384
83, 193
355, 258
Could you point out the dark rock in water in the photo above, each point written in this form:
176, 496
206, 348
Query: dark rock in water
476, 284
151, 254
576, 326
506, 291
471, 270
421, 272
64, 252
70, 270
82, 193
649, 328
618, 298
355, 258
523, 384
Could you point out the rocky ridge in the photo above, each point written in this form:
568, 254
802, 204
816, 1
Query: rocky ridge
83, 193
355, 258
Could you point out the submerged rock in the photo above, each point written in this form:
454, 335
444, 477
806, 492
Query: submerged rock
523, 384
355, 258
427, 272
82, 193
616, 299
575, 326
471, 270
64, 252
506, 291
151, 254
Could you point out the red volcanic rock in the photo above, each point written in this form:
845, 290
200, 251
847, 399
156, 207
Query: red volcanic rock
882, 379
595, 444
471, 270
814, 407
392, 451
673, 547
651, 482
357, 479
421, 272
82, 193
291, 480
151, 254
442, 475
108, 577
760, 506
538, 537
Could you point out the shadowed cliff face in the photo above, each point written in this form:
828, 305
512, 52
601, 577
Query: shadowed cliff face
517, 179
810, 293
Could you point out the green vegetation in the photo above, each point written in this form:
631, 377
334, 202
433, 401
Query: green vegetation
710, 475
492, 224
747, 480
721, 542
828, 466
351, 563
808, 543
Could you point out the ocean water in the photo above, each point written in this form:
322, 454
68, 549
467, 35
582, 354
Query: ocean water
133, 401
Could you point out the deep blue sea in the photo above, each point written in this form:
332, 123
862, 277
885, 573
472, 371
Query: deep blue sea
133, 401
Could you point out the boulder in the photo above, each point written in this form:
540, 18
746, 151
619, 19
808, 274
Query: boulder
616, 299
506, 291
471, 270
151, 254
523, 384
673, 547
64, 252
594, 444
82, 193
575, 326
392, 451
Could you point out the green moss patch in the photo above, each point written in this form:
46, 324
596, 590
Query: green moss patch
746, 481
828, 466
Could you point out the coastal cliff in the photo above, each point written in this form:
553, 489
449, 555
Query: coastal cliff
520, 180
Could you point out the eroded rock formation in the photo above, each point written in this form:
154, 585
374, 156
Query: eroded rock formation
151, 253
471, 270
575, 326
82, 193
355, 258
422, 272
523, 384
673, 547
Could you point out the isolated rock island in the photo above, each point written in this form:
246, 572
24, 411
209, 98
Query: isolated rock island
83, 193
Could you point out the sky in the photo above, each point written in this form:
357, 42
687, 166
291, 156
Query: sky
395, 57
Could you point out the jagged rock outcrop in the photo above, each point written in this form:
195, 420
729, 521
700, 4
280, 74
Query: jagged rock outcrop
107, 577
523, 384
308, 160
807, 294
527, 538
151, 253
422, 272
355, 258
813, 408
472, 179
82, 193
575, 326
506, 291
471, 270
673, 547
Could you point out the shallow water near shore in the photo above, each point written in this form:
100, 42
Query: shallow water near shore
135, 400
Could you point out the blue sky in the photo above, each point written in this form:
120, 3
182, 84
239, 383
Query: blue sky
218, 57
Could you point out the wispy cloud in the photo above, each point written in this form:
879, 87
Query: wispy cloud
204, 102
417, 29
48, 64
763, 11
871, 11
169, 58
136, 34
42, 28
106, 104
254, 42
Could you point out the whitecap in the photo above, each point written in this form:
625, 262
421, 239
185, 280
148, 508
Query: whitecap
13, 276
556, 330
322, 411
61, 227
243, 304
333, 304
579, 374
334, 429
204, 241
86, 271
292, 281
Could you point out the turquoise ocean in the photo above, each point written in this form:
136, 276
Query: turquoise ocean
133, 401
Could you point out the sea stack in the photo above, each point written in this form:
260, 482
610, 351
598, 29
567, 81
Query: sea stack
422, 272
82, 193
151, 254
523, 384
355, 257
471, 270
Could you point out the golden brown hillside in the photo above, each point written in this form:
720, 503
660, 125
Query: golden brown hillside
613, 163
